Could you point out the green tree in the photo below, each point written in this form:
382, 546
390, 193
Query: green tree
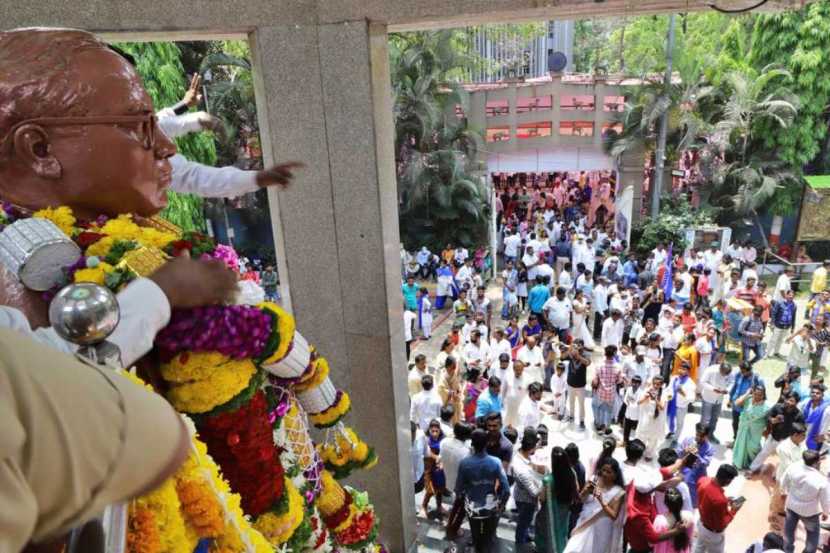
441, 197
800, 41
747, 174
160, 67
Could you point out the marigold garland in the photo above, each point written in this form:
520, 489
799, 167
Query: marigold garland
97, 274
174, 535
201, 508
192, 367
284, 328
203, 395
316, 377
142, 533
278, 528
61, 216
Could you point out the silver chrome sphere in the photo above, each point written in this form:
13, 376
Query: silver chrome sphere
84, 313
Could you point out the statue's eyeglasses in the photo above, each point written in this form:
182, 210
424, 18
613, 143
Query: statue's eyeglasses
147, 123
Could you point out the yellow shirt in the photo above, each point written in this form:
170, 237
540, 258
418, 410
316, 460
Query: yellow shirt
819, 283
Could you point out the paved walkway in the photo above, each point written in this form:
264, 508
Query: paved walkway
748, 526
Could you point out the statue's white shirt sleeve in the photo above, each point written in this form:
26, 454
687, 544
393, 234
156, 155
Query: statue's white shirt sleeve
144, 312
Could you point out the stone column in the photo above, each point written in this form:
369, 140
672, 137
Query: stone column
324, 98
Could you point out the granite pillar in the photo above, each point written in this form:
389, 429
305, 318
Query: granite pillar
329, 105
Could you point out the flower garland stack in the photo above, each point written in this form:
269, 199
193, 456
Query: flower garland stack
220, 364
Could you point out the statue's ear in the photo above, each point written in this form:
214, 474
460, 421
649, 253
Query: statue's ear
32, 149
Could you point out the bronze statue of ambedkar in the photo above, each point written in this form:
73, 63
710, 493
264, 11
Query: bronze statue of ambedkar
77, 128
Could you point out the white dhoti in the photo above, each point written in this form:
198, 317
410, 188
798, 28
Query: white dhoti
426, 324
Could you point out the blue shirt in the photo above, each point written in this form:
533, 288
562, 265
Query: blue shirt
487, 403
783, 314
477, 477
698, 470
410, 295
741, 386
539, 294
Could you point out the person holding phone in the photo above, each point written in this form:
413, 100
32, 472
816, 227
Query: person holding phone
716, 510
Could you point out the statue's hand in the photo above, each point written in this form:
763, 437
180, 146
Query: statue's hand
278, 175
193, 283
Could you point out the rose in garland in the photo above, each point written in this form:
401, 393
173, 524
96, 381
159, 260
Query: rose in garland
242, 443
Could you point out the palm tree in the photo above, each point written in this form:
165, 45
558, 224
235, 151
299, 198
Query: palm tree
643, 112
747, 175
441, 198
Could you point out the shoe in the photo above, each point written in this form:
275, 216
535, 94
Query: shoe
582, 426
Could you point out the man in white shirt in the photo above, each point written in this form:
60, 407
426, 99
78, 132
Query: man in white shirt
558, 311
426, 405
530, 410
565, 279
531, 261
512, 242
513, 392
416, 374
453, 450
783, 284
498, 345
659, 257
531, 355
599, 305
638, 365
681, 390
546, 271
409, 321
461, 254
789, 452
612, 330
417, 453
533, 243
808, 496
714, 386
464, 275
477, 352
145, 306
712, 257
190, 177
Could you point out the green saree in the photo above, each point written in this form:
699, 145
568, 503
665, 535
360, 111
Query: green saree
553, 518
751, 427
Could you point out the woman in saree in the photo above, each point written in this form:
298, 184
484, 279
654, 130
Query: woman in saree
600, 524
751, 426
687, 353
561, 491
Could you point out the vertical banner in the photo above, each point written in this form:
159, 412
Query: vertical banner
623, 208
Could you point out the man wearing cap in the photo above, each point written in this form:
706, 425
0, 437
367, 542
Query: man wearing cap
639, 365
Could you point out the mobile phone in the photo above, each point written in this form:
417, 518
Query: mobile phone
738, 501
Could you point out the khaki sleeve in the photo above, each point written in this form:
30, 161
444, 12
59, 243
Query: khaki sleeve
75, 438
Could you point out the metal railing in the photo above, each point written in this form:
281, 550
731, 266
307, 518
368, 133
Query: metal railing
801, 269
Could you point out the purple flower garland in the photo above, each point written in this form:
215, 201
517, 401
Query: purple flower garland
237, 331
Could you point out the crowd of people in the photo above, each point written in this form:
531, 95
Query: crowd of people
643, 341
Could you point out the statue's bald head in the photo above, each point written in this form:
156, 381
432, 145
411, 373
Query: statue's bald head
76, 127
37, 77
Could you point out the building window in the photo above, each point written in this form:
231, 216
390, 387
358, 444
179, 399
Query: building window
498, 134
534, 130
576, 128
497, 107
537, 103
613, 103
577, 103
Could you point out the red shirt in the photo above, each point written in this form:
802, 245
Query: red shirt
713, 505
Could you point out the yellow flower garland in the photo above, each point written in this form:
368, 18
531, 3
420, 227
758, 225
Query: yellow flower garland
220, 387
101, 248
61, 216
316, 378
285, 328
96, 274
334, 413
124, 228
174, 535
192, 367
278, 529
332, 496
